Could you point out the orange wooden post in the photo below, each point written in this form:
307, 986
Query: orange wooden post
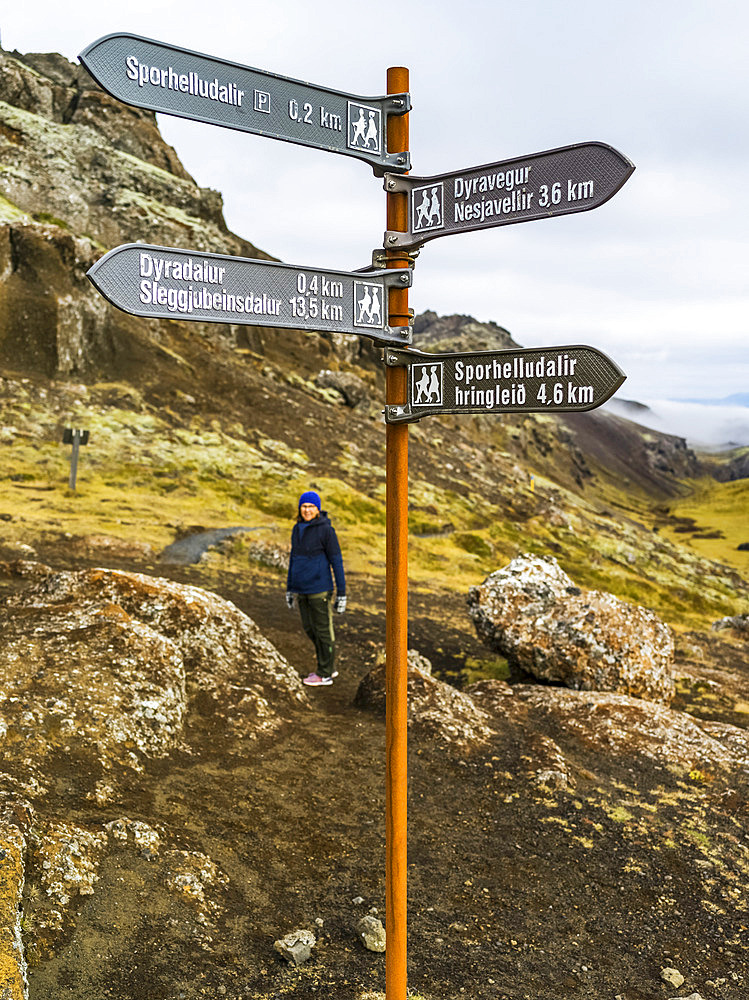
396, 598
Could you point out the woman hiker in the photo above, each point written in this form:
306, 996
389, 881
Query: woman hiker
314, 552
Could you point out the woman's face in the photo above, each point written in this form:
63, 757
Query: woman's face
308, 511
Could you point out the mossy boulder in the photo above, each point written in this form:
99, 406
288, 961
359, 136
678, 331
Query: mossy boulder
532, 613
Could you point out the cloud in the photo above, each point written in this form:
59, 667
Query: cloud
657, 272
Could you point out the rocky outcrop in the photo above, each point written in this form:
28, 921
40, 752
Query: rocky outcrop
46, 84
459, 333
736, 468
532, 613
738, 624
100, 665
75, 156
354, 390
435, 709
99, 671
13, 842
81, 174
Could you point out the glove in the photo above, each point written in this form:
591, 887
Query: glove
290, 598
340, 603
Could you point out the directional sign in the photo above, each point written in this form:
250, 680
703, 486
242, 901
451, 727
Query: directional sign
169, 283
176, 81
535, 380
556, 182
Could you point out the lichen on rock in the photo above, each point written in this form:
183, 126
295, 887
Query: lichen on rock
531, 612
434, 707
12, 875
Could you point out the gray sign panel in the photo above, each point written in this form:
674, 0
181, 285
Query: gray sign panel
556, 182
533, 380
176, 81
169, 283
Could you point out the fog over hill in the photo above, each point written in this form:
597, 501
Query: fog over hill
709, 424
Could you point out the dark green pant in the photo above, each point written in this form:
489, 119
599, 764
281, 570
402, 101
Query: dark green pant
317, 621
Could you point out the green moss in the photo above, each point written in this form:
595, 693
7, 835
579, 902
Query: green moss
620, 815
697, 837
491, 668
719, 513
10, 212
473, 543
52, 220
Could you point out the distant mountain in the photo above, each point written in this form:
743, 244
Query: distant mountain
83, 173
709, 425
735, 399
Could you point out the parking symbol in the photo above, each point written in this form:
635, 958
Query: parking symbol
262, 101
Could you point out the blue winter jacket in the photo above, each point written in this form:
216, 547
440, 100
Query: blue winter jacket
314, 551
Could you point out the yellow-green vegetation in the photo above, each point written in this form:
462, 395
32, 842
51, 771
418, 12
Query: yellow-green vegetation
492, 668
11, 886
721, 524
148, 473
10, 212
48, 219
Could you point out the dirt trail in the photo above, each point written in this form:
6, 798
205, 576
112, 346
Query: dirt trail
515, 891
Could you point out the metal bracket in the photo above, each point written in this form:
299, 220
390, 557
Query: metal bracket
399, 276
395, 184
380, 258
392, 358
398, 104
392, 161
394, 239
398, 413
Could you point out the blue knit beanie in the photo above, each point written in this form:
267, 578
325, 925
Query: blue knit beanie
311, 497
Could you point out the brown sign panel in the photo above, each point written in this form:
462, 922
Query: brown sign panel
163, 77
526, 380
172, 283
560, 181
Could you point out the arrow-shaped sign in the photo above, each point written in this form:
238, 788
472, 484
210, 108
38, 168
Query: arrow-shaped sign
561, 181
176, 81
532, 380
170, 283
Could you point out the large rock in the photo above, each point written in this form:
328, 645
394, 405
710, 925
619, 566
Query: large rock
99, 667
12, 958
434, 708
532, 613
99, 670
620, 727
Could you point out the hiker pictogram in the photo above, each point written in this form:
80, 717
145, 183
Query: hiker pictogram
426, 384
367, 304
364, 127
427, 207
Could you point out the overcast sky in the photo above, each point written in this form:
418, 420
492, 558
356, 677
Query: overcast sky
656, 277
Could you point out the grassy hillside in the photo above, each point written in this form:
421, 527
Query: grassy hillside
153, 472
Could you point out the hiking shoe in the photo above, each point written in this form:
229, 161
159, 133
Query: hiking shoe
314, 680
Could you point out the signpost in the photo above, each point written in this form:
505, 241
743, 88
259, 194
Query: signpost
540, 186
536, 380
75, 437
170, 283
177, 81
167, 282
396, 607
